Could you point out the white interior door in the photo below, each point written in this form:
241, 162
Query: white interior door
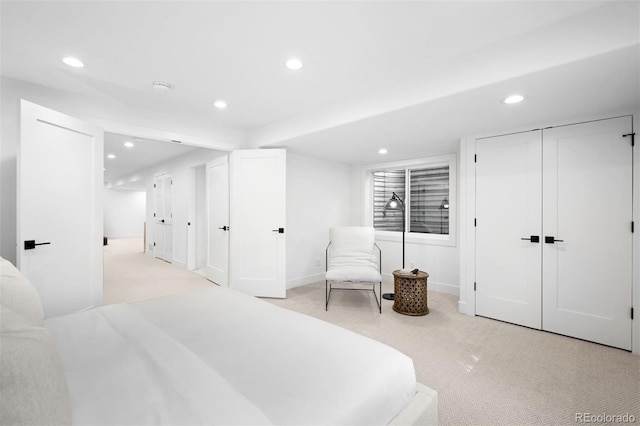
217, 264
60, 178
588, 210
258, 215
163, 231
509, 224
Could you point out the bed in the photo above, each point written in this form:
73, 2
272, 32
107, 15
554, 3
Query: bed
206, 357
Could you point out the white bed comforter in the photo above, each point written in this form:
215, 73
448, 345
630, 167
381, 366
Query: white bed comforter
217, 356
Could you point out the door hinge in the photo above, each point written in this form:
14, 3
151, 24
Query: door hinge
154, 244
632, 312
632, 227
154, 215
475, 158
633, 138
475, 222
474, 286
154, 185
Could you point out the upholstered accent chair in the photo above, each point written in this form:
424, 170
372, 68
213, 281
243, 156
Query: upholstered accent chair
353, 257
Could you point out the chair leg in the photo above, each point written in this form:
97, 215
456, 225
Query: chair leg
327, 294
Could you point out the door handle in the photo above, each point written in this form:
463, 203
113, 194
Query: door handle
551, 240
31, 244
279, 230
162, 221
533, 239
225, 228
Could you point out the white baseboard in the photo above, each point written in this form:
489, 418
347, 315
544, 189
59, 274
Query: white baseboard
444, 288
431, 285
464, 308
308, 279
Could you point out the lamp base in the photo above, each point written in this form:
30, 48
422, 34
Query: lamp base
388, 296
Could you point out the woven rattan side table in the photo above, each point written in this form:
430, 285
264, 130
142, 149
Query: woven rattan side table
410, 293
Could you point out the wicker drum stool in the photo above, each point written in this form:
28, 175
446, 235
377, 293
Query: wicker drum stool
410, 293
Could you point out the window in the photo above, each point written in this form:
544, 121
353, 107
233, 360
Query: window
426, 188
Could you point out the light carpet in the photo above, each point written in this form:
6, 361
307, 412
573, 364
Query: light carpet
130, 275
486, 372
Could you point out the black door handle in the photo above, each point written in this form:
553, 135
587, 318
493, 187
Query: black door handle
551, 240
279, 230
31, 244
162, 221
533, 239
225, 228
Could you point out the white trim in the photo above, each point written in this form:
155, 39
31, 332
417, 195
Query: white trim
467, 302
304, 280
418, 238
237, 139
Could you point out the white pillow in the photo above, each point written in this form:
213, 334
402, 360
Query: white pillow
18, 294
33, 387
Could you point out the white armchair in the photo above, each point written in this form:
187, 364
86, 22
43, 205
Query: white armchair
353, 256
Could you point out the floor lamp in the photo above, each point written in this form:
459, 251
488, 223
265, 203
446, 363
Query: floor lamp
393, 203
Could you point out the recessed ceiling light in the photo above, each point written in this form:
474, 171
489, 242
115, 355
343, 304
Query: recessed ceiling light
220, 104
513, 99
111, 156
161, 86
294, 64
382, 151
73, 62
128, 144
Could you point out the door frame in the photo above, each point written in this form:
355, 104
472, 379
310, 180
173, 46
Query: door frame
195, 215
467, 200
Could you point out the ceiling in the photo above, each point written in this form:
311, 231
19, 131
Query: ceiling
409, 76
137, 155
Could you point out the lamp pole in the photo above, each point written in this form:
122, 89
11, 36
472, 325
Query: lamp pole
393, 203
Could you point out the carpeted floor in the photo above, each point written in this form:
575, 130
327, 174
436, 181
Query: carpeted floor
486, 372
130, 275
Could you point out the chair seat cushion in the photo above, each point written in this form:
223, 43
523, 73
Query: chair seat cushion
354, 274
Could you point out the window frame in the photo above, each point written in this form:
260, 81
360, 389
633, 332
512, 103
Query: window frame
418, 163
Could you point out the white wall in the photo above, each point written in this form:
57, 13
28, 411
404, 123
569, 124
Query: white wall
441, 262
318, 197
124, 213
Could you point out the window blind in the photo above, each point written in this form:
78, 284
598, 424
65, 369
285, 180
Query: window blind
426, 206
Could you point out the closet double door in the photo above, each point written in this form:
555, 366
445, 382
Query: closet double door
554, 230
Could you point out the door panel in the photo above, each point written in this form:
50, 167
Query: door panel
217, 265
508, 209
60, 202
258, 214
588, 205
163, 233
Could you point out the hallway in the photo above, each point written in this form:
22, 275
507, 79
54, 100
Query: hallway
130, 275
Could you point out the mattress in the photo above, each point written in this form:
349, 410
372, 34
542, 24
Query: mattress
218, 356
